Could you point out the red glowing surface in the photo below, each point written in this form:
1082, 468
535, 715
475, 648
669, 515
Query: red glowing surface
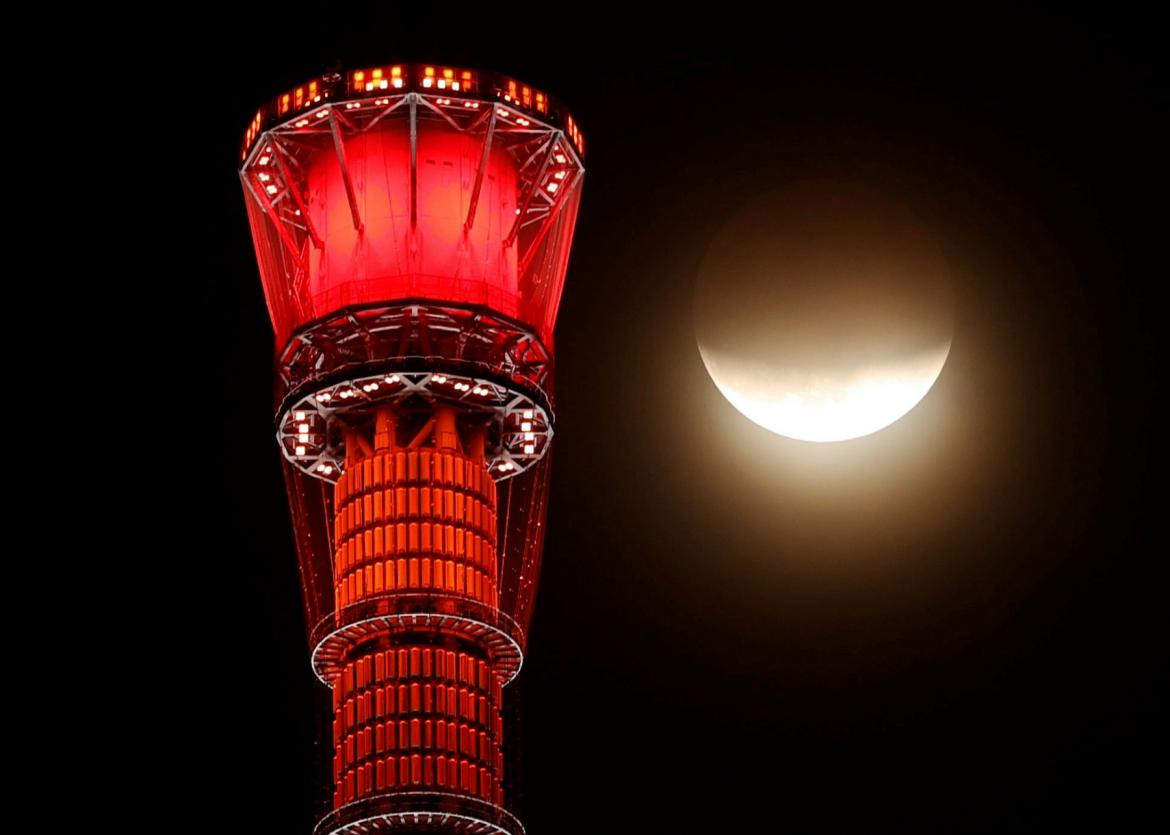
416, 715
395, 187
434, 259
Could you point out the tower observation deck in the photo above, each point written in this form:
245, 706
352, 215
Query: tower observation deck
412, 226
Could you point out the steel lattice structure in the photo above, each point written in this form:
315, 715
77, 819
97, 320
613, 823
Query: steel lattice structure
412, 227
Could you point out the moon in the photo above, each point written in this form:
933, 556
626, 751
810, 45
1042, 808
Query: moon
824, 311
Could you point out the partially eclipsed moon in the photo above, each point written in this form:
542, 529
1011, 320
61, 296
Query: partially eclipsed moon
824, 312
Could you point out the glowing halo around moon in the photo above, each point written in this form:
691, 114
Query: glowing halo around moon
824, 312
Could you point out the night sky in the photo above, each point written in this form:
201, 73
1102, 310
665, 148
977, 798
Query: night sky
948, 626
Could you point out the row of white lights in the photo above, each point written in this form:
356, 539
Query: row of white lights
527, 416
345, 394
398, 82
302, 422
526, 427
554, 181
301, 418
462, 386
520, 120
383, 84
467, 103
266, 179
320, 114
441, 83
356, 105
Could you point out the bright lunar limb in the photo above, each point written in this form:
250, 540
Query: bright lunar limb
822, 406
823, 311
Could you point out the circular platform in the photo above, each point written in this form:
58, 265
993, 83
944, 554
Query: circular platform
310, 430
414, 811
459, 617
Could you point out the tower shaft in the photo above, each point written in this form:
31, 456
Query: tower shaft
416, 708
412, 227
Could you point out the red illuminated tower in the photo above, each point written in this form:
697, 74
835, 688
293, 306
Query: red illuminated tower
412, 226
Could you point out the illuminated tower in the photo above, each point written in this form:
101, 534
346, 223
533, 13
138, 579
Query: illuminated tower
412, 226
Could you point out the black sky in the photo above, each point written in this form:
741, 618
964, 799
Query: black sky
945, 627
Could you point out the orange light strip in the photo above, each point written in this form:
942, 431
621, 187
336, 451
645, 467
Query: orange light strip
253, 131
375, 80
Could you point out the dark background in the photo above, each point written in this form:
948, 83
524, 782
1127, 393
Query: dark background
947, 626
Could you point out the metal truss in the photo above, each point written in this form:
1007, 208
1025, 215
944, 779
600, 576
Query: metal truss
419, 811
549, 169
470, 340
487, 627
312, 431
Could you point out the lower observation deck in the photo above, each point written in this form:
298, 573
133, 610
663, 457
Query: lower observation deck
392, 355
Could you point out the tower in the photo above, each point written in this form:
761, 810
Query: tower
412, 226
